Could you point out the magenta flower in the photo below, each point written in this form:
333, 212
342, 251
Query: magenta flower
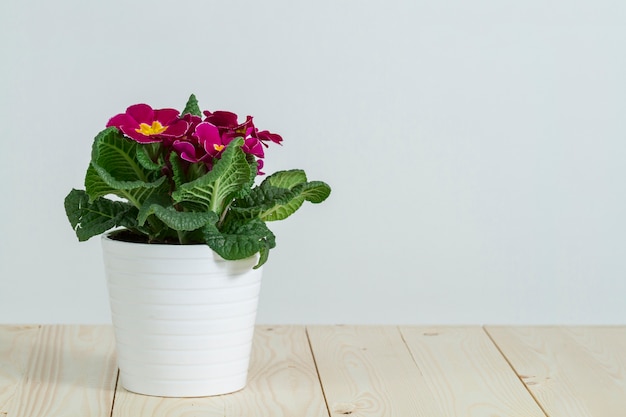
192, 121
209, 138
144, 124
230, 128
223, 119
187, 146
259, 167
253, 147
265, 136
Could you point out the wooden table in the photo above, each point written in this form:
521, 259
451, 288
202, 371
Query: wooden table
313, 371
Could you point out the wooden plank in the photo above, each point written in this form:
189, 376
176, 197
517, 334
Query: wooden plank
16, 344
571, 371
368, 371
466, 374
282, 382
71, 372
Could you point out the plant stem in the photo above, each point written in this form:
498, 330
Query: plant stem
130, 198
223, 216
181, 237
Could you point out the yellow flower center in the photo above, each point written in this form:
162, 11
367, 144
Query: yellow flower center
155, 129
218, 147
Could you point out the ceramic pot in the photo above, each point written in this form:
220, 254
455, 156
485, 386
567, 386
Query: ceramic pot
183, 317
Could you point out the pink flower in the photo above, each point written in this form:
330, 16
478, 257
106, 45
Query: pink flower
265, 136
224, 119
190, 151
209, 138
187, 146
146, 125
230, 128
259, 167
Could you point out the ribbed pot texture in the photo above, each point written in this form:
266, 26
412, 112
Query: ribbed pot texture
183, 317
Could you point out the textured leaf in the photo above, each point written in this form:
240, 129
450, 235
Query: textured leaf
113, 171
95, 185
271, 203
143, 157
282, 211
180, 220
314, 191
286, 179
253, 166
261, 199
89, 219
178, 175
216, 189
146, 209
241, 240
192, 107
112, 156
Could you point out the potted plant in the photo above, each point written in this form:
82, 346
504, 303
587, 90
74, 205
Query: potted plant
183, 204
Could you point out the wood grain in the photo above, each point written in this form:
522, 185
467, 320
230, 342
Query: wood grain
70, 372
571, 371
364, 371
466, 374
368, 371
16, 344
282, 382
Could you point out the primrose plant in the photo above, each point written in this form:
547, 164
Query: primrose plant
187, 178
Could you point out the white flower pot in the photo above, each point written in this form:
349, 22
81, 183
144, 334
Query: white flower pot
183, 317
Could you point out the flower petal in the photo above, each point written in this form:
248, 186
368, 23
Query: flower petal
142, 113
138, 137
176, 129
122, 119
186, 150
253, 147
268, 136
166, 116
209, 137
221, 118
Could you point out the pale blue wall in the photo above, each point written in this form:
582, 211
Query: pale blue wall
476, 149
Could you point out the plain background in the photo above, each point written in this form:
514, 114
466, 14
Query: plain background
475, 149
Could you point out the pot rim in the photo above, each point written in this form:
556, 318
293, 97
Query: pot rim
107, 236
169, 249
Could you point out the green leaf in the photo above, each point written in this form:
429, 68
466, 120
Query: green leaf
113, 157
146, 209
178, 174
192, 107
261, 199
282, 209
95, 185
216, 189
89, 219
253, 166
115, 165
184, 221
314, 191
271, 203
286, 179
180, 220
241, 240
264, 253
144, 158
